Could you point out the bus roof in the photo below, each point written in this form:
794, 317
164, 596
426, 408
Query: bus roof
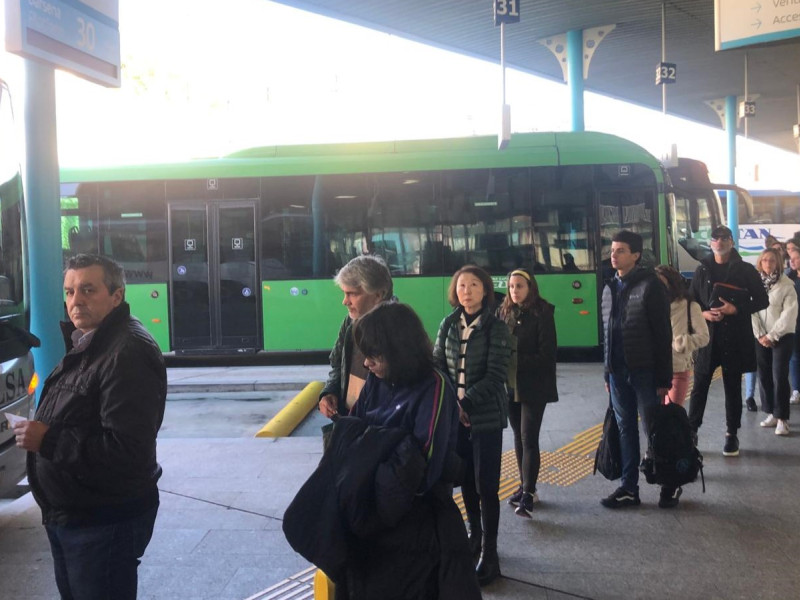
524, 149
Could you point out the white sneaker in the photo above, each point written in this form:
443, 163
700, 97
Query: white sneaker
795, 399
770, 421
782, 428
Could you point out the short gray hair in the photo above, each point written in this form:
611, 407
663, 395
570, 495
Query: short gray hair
368, 272
113, 274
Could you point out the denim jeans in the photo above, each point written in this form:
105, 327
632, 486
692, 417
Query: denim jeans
99, 562
633, 394
750, 384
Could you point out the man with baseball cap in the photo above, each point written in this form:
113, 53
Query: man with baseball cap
726, 308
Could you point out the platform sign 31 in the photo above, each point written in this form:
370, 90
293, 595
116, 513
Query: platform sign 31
506, 11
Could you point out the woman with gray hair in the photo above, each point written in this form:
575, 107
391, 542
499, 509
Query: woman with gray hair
365, 282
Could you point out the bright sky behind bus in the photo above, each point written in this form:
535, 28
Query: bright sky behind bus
207, 78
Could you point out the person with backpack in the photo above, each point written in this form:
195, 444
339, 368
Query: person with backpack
774, 330
638, 354
689, 332
532, 378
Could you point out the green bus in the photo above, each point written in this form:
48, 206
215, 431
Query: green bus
18, 379
237, 254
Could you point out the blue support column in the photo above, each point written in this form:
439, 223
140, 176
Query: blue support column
318, 250
44, 218
730, 129
575, 77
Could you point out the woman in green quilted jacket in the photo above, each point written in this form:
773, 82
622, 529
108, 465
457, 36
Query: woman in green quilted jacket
474, 347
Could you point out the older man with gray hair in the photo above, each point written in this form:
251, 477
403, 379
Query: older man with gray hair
365, 282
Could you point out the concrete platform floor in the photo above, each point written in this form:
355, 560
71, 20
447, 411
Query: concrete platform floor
218, 533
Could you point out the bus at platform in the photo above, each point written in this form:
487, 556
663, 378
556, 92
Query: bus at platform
774, 212
18, 379
236, 254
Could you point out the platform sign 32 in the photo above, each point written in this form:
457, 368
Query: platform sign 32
506, 11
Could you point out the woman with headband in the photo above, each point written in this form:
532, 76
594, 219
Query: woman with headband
532, 378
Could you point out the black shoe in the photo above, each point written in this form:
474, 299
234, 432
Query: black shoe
514, 499
669, 497
731, 447
621, 498
526, 503
750, 403
489, 568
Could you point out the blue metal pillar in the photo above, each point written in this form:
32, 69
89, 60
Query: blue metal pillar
575, 77
44, 219
730, 129
318, 250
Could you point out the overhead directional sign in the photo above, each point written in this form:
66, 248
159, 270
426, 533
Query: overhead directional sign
740, 23
81, 36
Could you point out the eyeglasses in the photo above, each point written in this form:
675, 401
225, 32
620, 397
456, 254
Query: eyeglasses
720, 238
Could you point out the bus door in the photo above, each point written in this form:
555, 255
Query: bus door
214, 291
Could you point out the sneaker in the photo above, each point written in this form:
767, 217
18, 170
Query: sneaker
795, 399
731, 447
782, 427
770, 421
514, 499
669, 497
750, 403
526, 503
621, 498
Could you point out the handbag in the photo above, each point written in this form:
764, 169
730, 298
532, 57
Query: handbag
608, 457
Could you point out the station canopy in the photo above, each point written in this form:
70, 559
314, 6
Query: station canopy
624, 63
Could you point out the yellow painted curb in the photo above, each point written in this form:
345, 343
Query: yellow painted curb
323, 587
291, 415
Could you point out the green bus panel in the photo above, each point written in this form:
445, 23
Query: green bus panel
577, 310
149, 304
307, 314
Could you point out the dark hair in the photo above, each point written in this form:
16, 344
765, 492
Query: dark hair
486, 280
113, 274
533, 301
676, 285
770, 240
634, 240
394, 332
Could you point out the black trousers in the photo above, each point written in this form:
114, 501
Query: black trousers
773, 376
732, 382
481, 452
526, 422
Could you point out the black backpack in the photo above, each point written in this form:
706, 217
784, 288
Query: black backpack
673, 459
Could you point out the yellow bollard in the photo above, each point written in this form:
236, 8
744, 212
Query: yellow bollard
291, 415
324, 589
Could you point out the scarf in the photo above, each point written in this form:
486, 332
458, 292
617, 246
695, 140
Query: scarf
769, 279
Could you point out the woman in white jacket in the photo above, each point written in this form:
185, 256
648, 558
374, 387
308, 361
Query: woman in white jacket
685, 339
774, 329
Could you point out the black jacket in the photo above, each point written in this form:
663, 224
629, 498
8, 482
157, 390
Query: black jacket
359, 519
734, 334
536, 355
646, 326
104, 405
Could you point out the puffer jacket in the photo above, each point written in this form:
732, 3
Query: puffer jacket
486, 365
646, 328
685, 343
780, 317
103, 405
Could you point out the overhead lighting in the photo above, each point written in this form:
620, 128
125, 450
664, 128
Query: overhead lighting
345, 197
410, 181
296, 206
486, 204
136, 215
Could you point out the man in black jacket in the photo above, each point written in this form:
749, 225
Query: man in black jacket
638, 354
92, 448
727, 310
